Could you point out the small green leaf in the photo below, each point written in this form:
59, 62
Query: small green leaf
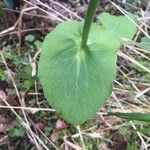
8, 48
29, 38
132, 146
119, 26
38, 44
145, 43
3, 75
17, 131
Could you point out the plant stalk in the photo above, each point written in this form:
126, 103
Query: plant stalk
88, 21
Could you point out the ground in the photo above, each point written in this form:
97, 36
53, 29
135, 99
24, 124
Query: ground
27, 121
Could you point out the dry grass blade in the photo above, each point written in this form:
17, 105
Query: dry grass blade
51, 9
133, 61
54, 17
69, 11
76, 147
33, 110
81, 137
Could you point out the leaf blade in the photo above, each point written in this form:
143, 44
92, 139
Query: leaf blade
76, 82
75, 89
119, 26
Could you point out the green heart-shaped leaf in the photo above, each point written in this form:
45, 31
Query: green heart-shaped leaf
77, 81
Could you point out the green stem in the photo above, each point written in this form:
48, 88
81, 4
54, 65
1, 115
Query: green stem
88, 21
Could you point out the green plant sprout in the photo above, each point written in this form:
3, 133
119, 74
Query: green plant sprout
77, 66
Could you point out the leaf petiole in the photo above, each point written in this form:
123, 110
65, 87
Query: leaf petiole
88, 21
